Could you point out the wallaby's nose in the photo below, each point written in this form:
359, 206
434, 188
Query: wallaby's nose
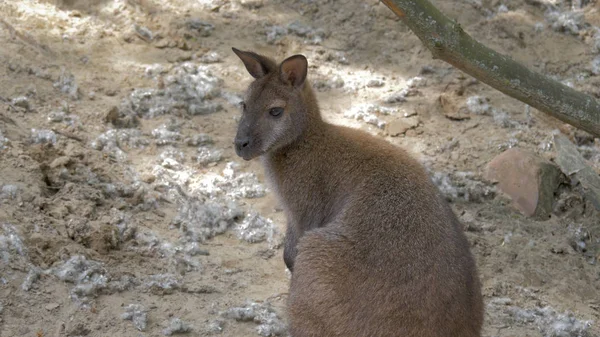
241, 144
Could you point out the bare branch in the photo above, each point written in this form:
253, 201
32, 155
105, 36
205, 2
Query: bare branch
447, 41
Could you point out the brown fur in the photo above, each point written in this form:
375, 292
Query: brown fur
373, 248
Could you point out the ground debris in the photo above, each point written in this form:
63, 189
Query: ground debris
187, 86
176, 326
256, 228
574, 165
117, 141
570, 22
263, 314
202, 219
88, 276
11, 244
311, 36
66, 84
162, 283
551, 323
463, 185
43, 136
137, 314
3, 141
368, 113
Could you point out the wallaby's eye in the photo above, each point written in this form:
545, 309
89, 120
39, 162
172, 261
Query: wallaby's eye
275, 112
243, 106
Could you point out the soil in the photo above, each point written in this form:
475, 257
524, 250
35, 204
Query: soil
124, 210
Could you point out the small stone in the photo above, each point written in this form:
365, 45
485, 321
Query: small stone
401, 125
425, 70
184, 56
22, 102
112, 116
398, 97
176, 326
60, 162
137, 314
251, 4
375, 83
162, 43
215, 327
148, 178
199, 139
183, 45
211, 57
51, 306
528, 179
202, 28
451, 108
416, 82
144, 33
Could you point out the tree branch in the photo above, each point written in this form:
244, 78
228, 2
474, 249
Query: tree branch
447, 41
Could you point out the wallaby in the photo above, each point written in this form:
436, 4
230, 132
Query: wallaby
373, 248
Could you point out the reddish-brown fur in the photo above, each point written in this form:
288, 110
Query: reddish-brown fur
373, 248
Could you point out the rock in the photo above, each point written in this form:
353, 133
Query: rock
401, 125
529, 180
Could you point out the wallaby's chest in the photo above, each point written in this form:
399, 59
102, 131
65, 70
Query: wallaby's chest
308, 198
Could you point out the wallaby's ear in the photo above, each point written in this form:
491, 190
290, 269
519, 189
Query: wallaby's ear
257, 65
293, 70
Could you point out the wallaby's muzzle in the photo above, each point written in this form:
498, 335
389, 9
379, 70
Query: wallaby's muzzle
242, 147
245, 145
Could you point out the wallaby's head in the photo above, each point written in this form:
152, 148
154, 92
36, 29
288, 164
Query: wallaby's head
275, 109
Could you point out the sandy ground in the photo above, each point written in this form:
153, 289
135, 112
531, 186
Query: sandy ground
125, 212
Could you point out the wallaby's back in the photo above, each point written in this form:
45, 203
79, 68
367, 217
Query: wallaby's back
393, 262
373, 248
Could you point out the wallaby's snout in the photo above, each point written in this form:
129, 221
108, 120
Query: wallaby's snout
243, 143
248, 141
